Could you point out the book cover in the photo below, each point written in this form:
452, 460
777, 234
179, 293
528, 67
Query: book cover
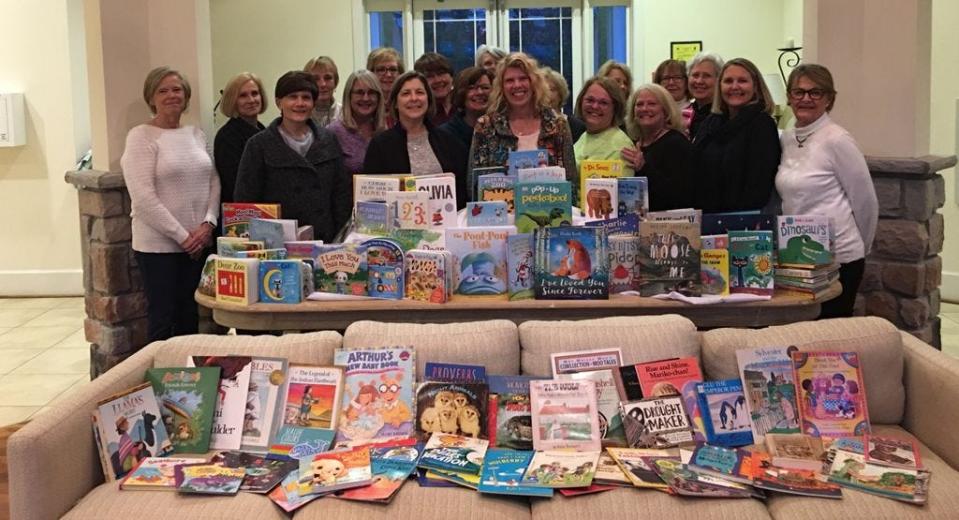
209, 479
155, 473
584, 360
660, 378
228, 247
572, 263
767, 376
375, 187
297, 442
503, 471
795, 451
410, 209
187, 398
521, 159
377, 401
454, 373
751, 262
262, 474
263, 414
687, 482
541, 174
610, 422
656, 422
691, 215
624, 263
474, 175
561, 469
669, 257
426, 276
392, 464
598, 169
519, 266
207, 285
229, 412
714, 271
639, 473
287, 494
624, 224
452, 408
303, 249
277, 253
851, 470
442, 197
565, 415
723, 223
236, 280
479, 259
341, 269
602, 198
633, 193
273, 232
543, 205
372, 217
725, 417
803, 240
790, 481
467, 480
609, 473
494, 187
334, 470
281, 281
424, 239
733, 464
387, 268
456, 453
715, 241
131, 429
831, 395
237, 216
313, 396
892, 451
513, 425
487, 213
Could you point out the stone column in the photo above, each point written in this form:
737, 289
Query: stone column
904, 269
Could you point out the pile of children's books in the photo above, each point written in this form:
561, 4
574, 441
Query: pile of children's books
804, 261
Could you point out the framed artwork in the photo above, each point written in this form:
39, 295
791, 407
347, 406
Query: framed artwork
684, 51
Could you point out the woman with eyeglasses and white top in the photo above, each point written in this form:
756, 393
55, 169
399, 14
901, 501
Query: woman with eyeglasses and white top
360, 119
822, 172
600, 105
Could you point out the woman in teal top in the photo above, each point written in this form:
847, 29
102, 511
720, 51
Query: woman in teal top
601, 106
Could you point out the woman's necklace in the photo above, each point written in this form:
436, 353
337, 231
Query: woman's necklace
655, 137
524, 127
802, 140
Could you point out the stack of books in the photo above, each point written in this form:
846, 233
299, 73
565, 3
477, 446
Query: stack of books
805, 262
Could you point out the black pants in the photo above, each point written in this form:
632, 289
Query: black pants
850, 276
169, 280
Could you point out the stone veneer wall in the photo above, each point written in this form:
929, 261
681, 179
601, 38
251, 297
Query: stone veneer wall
904, 270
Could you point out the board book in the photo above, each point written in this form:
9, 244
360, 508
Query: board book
602, 199
273, 232
427, 275
386, 267
633, 193
598, 169
518, 159
542, 205
497, 187
237, 216
341, 269
236, 280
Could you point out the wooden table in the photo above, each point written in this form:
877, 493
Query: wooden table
784, 307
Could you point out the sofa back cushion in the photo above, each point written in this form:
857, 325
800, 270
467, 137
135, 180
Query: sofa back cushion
313, 348
641, 338
493, 344
876, 340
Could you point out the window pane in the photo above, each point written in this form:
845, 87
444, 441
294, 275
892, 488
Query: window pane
609, 34
386, 30
455, 33
545, 34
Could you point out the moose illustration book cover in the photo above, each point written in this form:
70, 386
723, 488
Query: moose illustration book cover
572, 263
669, 257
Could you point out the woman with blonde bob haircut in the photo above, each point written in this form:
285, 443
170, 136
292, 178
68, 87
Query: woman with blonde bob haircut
618, 72
327, 77
360, 119
243, 100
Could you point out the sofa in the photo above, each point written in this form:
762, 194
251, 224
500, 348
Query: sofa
911, 388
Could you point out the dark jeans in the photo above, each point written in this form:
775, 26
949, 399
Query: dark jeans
169, 280
850, 276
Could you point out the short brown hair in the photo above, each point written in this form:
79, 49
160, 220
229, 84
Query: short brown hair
666, 66
232, 92
323, 62
433, 63
819, 75
466, 79
295, 81
152, 83
384, 54
761, 94
611, 88
398, 85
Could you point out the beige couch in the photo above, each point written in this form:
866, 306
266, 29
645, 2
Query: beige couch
911, 389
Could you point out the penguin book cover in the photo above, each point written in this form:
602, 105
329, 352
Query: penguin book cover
572, 263
479, 260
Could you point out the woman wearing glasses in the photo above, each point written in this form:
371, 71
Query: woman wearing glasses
600, 105
361, 118
470, 99
671, 75
385, 62
823, 173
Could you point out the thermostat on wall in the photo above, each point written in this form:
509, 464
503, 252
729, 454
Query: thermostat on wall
12, 122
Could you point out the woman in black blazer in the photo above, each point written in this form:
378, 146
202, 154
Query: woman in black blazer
243, 100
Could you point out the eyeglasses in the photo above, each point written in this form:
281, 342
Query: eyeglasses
815, 94
664, 79
364, 93
389, 388
602, 103
386, 70
480, 88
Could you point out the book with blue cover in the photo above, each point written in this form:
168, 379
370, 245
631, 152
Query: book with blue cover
572, 263
542, 205
454, 373
633, 196
372, 217
497, 187
521, 159
519, 266
474, 175
341, 269
725, 415
392, 463
503, 472
541, 174
479, 259
281, 281
458, 453
487, 213
723, 223
386, 264
273, 232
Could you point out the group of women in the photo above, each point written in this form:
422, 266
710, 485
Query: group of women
702, 133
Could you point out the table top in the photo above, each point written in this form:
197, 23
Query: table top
784, 307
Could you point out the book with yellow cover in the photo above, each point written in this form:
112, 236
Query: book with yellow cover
714, 271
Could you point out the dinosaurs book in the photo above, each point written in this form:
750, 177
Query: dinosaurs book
803, 241
669, 257
479, 260
571, 263
543, 205
130, 429
187, 397
751, 262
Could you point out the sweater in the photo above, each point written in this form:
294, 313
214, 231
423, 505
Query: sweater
173, 186
604, 145
827, 175
315, 190
227, 149
457, 126
352, 144
737, 160
668, 168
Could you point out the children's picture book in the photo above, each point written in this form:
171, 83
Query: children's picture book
386, 265
262, 474
633, 193
751, 262
281, 281
237, 216
733, 464
303, 249
474, 175
610, 422
543, 205
458, 478
287, 494
229, 413
503, 471
374, 187
426, 276
410, 209
341, 269
685, 481
851, 470
377, 401
236, 280
297, 442
313, 396
584, 360
639, 473
263, 414
767, 376
565, 415
795, 451
454, 373
691, 215
656, 422
609, 473
714, 271
790, 481
895, 452
209, 479
334, 470
276, 253
659, 378
487, 213
624, 224
803, 240
723, 223
392, 464
715, 241
479, 260
155, 473
513, 424
602, 198
455, 453
497, 187
624, 263
228, 247
541, 174
372, 217
725, 417
526, 159
598, 169
561, 469
831, 395
187, 397
442, 196
519, 266
572, 263
452, 408
273, 232
669, 257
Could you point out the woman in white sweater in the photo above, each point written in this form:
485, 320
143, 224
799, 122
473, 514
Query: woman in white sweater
823, 173
175, 194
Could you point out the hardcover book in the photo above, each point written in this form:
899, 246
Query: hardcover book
474, 175
715, 241
442, 196
602, 199
228, 247
419, 239
795, 451
572, 263
714, 271
633, 193
155, 473
455, 453
341, 269
669, 257
479, 259
454, 373
803, 240
725, 417
659, 378
273, 232
541, 174
767, 376
561, 469
565, 415
313, 396
187, 398
392, 464
334, 470
656, 422
503, 471
584, 360
832, 398
374, 187
377, 401
386, 266
426, 276
751, 262
372, 217
723, 223
237, 216
209, 479
281, 281
410, 209
452, 408
513, 424
487, 213
598, 169
624, 224
236, 280
263, 414
229, 412
276, 253
526, 159
519, 266
610, 422
624, 263
639, 473
543, 205
691, 215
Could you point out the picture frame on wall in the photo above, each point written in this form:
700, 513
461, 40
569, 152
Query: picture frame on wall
684, 51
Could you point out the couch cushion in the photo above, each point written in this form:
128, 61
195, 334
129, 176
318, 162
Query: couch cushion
107, 501
642, 338
634, 503
876, 340
493, 344
310, 348
943, 500
413, 501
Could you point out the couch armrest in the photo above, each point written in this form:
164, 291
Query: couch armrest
52, 461
931, 379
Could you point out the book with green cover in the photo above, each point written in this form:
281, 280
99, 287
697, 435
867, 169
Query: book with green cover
187, 398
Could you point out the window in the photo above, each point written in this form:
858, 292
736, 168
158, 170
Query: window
547, 35
386, 30
609, 35
455, 33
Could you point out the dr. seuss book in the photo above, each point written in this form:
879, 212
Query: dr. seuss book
454, 408
831, 395
334, 470
392, 463
610, 421
639, 473
209, 479
584, 360
733, 464
803, 240
851, 470
341, 269
714, 271
519, 266
767, 376
602, 198
273, 232
572, 263
725, 417
187, 397
457, 453
375, 187
155, 473
409, 209
669, 257
427, 275
442, 195
659, 378
561, 469
565, 415
454, 373
487, 213
372, 217
597, 169
633, 195
236, 280
377, 401
751, 262
131, 429
479, 259
262, 474
526, 159
503, 471
228, 415
542, 205
795, 451
296, 442
656, 422
723, 223
263, 414
237, 216
513, 415
313, 396
281, 281
386, 267
624, 263
685, 481
495, 187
